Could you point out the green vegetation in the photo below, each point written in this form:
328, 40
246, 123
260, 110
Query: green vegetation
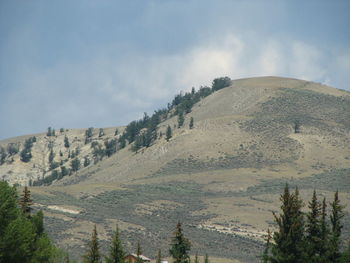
22, 235
26, 153
220, 83
66, 142
191, 123
93, 250
306, 237
168, 133
116, 251
180, 246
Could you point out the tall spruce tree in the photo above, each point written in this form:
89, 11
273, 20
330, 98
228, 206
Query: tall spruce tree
266, 254
93, 250
196, 260
313, 245
324, 235
336, 226
180, 246
168, 133
288, 242
116, 251
26, 202
206, 258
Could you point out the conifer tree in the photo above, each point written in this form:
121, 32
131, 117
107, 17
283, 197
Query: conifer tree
180, 246
313, 245
191, 123
336, 226
66, 142
288, 240
51, 156
116, 251
159, 256
75, 164
324, 235
26, 202
180, 119
206, 258
93, 254
266, 254
168, 133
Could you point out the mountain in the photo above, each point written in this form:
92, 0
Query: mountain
222, 178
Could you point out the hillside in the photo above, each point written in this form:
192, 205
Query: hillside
248, 140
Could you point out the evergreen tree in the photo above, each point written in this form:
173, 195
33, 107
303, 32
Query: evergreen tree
266, 254
101, 132
116, 132
191, 123
220, 83
168, 133
66, 142
336, 226
159, 256
206, 258
86, 161
289, 239
180, 246
75, 164
51, 156
8, 206
313, 229
26, 202
64, 171
324, 235
38, 222
180, 119
116, 252
49, 131
345, 257
93, 254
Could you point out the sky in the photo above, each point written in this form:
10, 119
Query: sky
89, 63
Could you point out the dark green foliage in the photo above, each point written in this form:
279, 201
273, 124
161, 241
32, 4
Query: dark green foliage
66, 142
54, 165
220, 83
168, 133
206, 258
336, 226
191, 123
180, 246
288, 240
88, 134
51, 156
111, 147
297, 126
26, 202
22, 238
139, 253
86, 161
26, 153
116, 251
61, 130
345, 257
93, 254
98, 152
64, 171
75, 164
180, 119
49, 132
101, 132
116, 132
12, 149
313, 246
3, 155
266, 254
38, 222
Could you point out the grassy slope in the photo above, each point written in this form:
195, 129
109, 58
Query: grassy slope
217, 177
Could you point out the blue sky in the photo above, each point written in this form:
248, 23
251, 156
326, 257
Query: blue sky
85, 63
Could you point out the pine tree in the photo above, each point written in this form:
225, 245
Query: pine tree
168, 133
180, 119
191, 123
93, 254
313, 245
336, 226
26, 202
159, 256
324, 235
51, 156
180, 246
206, 258
101, 132
66, 142
289, 239
75, 164
116, 252
266, 254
